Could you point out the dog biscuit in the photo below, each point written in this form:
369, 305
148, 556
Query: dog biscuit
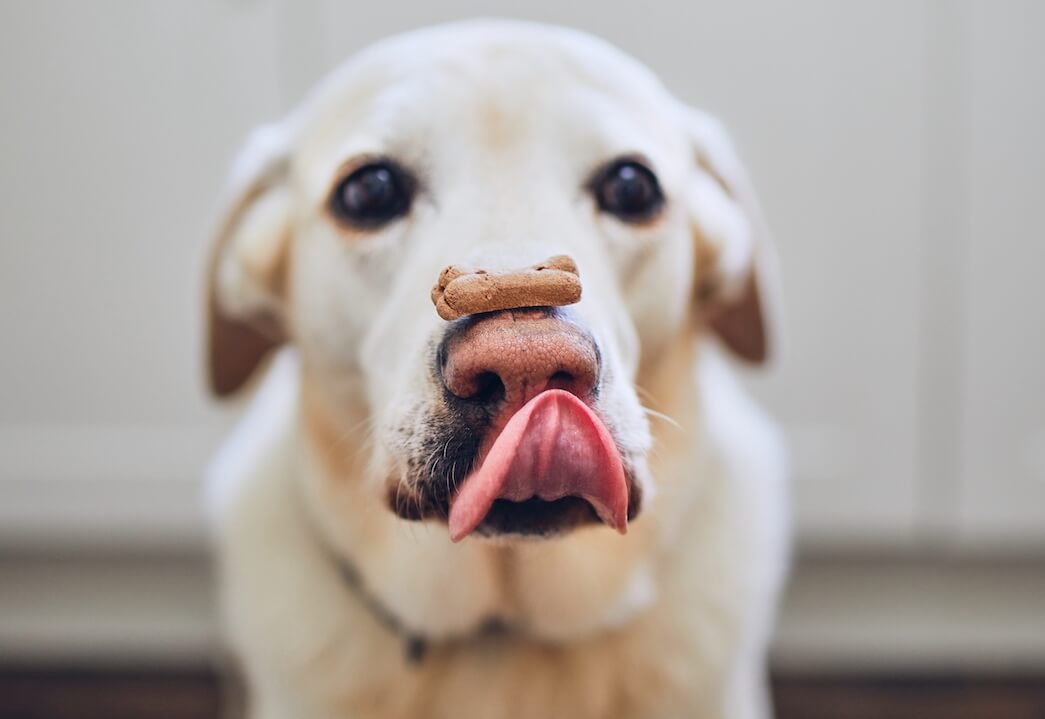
464, 291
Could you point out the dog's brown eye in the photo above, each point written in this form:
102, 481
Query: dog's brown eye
629, 190
372, 195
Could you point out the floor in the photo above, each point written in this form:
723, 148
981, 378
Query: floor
198, 694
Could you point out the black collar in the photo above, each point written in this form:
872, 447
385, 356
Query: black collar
415, 645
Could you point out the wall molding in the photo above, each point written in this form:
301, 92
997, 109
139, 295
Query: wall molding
88, 486
839, 615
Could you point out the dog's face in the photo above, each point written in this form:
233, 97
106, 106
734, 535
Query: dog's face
492, 145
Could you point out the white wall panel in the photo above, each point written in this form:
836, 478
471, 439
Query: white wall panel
119, 121
1003, 418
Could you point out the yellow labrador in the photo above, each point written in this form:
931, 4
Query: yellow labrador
389, 545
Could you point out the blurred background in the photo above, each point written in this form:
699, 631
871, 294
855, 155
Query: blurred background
898, 149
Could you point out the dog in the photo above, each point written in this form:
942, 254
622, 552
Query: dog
369, 566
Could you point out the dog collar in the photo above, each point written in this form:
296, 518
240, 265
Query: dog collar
415, 645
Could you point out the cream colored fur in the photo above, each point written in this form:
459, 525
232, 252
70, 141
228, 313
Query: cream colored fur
671, 620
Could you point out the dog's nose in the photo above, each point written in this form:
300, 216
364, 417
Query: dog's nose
512, 356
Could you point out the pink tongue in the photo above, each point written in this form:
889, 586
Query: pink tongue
553, 447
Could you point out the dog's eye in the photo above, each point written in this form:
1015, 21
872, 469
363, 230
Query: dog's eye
629, 190
372, 195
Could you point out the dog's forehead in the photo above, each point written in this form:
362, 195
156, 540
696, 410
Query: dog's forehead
480, 80
479, 53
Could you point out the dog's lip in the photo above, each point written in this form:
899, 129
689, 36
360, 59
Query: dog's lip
555, 446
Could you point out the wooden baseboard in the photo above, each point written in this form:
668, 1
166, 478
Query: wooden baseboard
195, 692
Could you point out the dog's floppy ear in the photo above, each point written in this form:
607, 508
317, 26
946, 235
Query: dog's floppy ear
248, 264
736, 265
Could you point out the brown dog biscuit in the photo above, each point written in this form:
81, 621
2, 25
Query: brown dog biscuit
465, 291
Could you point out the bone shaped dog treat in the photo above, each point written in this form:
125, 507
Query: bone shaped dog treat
464, 291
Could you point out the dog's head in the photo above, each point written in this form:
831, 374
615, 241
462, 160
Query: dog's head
495, 145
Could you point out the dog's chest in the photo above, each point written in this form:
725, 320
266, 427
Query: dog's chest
503, 677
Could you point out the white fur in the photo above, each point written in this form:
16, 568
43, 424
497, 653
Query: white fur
671, 620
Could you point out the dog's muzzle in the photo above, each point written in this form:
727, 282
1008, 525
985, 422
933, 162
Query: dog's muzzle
523, 385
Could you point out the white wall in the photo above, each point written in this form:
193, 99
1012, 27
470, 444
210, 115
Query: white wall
897, 147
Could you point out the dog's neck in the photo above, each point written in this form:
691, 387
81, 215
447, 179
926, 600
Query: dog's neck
415, 644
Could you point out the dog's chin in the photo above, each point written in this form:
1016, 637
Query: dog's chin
532, 519
536, 518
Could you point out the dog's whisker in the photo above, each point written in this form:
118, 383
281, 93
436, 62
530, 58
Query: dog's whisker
643, 393
398, 496
661, 416
451, 481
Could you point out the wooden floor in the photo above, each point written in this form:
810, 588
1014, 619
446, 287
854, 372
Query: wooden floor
909, 698
190, 694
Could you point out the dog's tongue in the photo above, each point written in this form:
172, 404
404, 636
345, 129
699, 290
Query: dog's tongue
553, 447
